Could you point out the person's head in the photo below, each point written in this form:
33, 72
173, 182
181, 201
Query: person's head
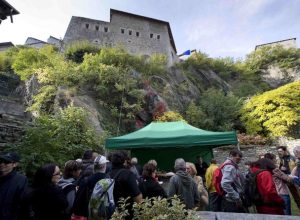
149, 170
87, 155
296, 151
191, 169
271, 157
199, 159
179, 165
248, 164
118, 158
72, 169
134, 161
213, 161
236, 155
100, 164
153, 162
8, 162
94, 155
282, 151
47, 175
264, 163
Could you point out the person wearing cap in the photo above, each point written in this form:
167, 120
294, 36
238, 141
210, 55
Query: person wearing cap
183, 185
81, 203
12, 186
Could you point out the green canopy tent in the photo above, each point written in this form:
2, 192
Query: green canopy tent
166, 141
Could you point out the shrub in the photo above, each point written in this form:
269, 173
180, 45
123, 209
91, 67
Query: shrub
169, 116
76, 51
57, 138
273, 113
155, 209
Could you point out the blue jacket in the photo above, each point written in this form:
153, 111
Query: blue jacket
12, 189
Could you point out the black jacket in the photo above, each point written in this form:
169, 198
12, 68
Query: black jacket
12, 188
48, 203
83, 195
151, 188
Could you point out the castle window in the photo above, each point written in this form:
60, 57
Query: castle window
130, 32
105, 29
158, 37
151, 35
97, 27
87, 25
137, 34
122, 30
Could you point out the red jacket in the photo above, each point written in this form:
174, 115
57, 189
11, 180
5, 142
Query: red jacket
266, 188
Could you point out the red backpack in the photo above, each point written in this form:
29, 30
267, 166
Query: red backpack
217, 178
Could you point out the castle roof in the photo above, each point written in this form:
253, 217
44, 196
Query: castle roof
113, 11
6, 10
260, 45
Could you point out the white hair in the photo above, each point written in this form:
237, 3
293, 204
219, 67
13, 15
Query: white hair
296, 150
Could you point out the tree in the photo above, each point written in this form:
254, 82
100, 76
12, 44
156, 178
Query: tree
57, 138
216, 111
274, 113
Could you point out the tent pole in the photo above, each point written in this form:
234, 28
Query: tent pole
238, 146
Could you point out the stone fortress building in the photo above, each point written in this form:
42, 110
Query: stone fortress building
288, 43
139, 35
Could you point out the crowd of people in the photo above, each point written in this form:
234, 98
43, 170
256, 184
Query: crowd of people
67, 195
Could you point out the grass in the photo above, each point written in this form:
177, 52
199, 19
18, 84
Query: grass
295, 209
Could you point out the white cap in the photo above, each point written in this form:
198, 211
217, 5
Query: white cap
101, 160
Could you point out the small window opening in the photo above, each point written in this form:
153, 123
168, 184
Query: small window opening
87, 26
122, 30
151, 35
105, 29
158, 37
137, 34
97, 27
130, 32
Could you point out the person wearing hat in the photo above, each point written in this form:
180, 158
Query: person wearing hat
183, 185
86, 186
12, 186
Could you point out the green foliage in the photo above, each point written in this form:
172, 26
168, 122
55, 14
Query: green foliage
169, 116
76, 51
216, 111
275, 112
43, 101
156, 209
29, 60
57, 138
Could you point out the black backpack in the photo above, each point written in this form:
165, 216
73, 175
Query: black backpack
251, 196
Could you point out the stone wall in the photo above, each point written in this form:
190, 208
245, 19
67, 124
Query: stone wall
250, 152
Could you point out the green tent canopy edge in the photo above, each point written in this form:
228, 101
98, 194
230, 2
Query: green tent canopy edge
170, 134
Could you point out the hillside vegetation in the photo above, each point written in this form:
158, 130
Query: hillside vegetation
131, 91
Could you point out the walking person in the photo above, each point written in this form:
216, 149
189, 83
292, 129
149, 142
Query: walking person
12, 186
47, 199
215, 200
201, 167
232, 183
183, 185
271, 202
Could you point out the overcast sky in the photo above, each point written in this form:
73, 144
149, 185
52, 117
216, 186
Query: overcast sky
219, 28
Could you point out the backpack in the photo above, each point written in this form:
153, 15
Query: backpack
101, 204
217, 178
251, 196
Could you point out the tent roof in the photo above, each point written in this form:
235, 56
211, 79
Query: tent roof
170, 134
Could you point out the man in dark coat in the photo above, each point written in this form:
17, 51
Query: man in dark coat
12, 186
